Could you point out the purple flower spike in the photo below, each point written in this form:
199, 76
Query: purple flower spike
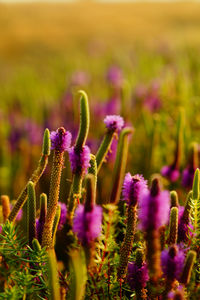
60, 140
183, 226
154, 208
137, 276
79, 159
170, 172
63, 215
187, 177
172, 262
114, 122
132, 188
87, 225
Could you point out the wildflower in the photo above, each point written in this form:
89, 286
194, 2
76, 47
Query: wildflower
137, 276
79, 159
114, 122
172, 262
154, 208
171, 172
132, 188
87, 224
60, 140
153, 213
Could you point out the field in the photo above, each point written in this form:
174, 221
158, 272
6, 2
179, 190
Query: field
139, 61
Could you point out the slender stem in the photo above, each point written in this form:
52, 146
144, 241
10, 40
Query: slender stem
104, 148
120, 164
58, 161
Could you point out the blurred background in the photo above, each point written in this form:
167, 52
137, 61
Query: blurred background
138, 59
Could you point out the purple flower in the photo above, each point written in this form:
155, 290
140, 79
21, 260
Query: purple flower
137, 276
183, 225
187, 177
132, 188
87, 225
114, 122
170, 172
79, 159
172, 262
114, 76
60, 139
63, 215
154, 208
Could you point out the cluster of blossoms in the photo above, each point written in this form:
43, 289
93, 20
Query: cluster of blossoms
114, 123
60, 140
137, 275
132, 188
172, 262
154, 208
79, 159
87, 224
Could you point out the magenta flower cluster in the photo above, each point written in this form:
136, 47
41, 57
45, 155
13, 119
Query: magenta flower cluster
137, 276
114, 122
133, 186
87, 225
170, 172
60, 140
79, 159
172, 262
154, 209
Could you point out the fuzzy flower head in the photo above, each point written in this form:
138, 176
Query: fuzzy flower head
114, 122
172, 262
171, 173
137, 276
60, 140
154, 207
187, 177
87, 225
132, 188
79, 159
63, 215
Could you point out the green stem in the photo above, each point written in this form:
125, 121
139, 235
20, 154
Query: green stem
104, 148
55, 224
53, 280
173, 226
187, 270
58, 161
31, 212
84, 120
120, 164
35, 176
127, 245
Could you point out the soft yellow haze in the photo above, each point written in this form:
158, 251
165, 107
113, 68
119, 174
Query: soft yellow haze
58, 26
